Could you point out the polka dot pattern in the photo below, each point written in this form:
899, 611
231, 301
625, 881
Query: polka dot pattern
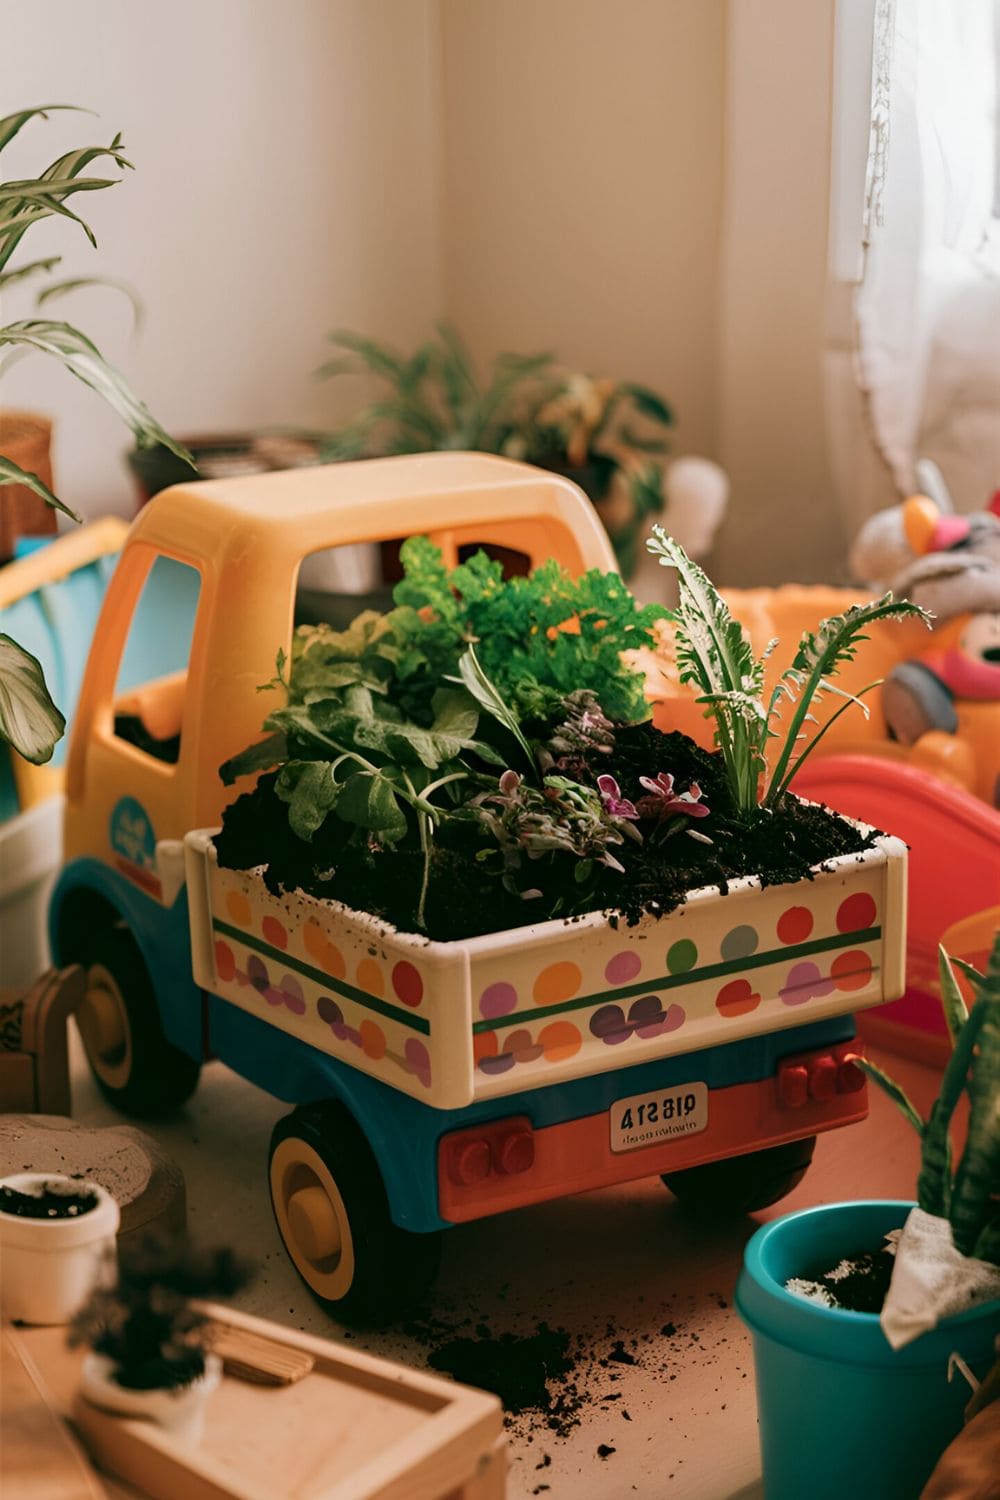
623, 968
225, 962
805, 981
737, 998
682, 956
274, 932
556, 983
795, 925
497, 999
856, 912
851, 970
739, 942
238, 908
370, 978
407, 983
645, 1018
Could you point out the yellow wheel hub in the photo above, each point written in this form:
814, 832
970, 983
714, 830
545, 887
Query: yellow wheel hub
312, 1218
103, 1022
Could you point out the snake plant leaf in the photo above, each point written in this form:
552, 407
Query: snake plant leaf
84, 360
952, 1000
890, 1087
29, 720
975, 1210
12, 473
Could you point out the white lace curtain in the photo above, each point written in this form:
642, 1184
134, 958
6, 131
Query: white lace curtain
928, 306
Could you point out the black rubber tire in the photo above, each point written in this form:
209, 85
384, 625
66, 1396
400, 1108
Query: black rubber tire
158, 1076
393, 1268
742, 1184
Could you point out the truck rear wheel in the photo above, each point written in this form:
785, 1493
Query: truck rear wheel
742, 1184
136, 1068
333, 1216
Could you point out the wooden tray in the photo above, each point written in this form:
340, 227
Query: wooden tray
353, 1428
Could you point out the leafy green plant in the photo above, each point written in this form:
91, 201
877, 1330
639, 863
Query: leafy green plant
609, 434
967, 1196
29, 720
145, 1323
397, 723
435, 399
714, 653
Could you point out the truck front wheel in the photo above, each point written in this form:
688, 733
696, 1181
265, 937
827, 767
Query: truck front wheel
333, 1216
742, 1184
135, 1066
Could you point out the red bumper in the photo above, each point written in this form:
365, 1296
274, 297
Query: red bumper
506, 1163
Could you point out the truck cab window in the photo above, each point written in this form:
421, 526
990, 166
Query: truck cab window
149, 696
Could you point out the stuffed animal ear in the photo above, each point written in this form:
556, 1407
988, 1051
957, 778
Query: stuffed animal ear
920, 522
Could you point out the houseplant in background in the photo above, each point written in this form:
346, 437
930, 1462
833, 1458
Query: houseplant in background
148, 1344
607, 436
29, 720
853, 1342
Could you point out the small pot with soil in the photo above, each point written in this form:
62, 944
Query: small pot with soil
855, 1338
149, 1356
56, 1236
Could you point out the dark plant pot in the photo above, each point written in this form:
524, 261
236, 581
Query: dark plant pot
841, 1412
220, 456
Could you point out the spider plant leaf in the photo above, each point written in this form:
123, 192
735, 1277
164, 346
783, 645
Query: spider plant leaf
29, 269
12, 473
380, 359
84, 360
77, 283
29, 720
11, 124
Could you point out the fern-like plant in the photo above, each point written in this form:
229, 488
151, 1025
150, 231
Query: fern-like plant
714, 653
968, 1197
29, 720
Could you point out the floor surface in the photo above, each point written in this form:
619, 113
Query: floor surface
659, 1402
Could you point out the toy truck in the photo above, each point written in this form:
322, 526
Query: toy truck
432, 1082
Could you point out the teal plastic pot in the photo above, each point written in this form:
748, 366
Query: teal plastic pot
841, 1412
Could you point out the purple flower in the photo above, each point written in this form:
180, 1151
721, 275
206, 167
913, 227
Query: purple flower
663, 802
614, 803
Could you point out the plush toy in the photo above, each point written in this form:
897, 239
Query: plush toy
950, 565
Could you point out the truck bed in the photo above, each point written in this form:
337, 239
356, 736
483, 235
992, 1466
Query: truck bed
449, 1023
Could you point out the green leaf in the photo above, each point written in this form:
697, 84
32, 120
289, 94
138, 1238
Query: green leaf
952, 1001
29, 720
84, 360
78, 283
369, 801
650, 404
487, 696
29, 269
259, 757
12, 473
890, 1087
11, 124
311, 793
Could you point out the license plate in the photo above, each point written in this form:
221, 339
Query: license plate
645, 1119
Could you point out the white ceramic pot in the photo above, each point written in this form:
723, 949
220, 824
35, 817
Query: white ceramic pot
180, 1410
50, 1266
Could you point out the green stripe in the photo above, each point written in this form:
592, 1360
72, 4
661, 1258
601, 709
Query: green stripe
347, 991
690, 976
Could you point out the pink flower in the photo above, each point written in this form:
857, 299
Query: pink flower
663, 802
614, 803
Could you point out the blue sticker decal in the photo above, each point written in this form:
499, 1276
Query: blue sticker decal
132, 833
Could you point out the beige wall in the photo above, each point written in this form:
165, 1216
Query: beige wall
783, 521
640, 185
582, 172
286, 183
